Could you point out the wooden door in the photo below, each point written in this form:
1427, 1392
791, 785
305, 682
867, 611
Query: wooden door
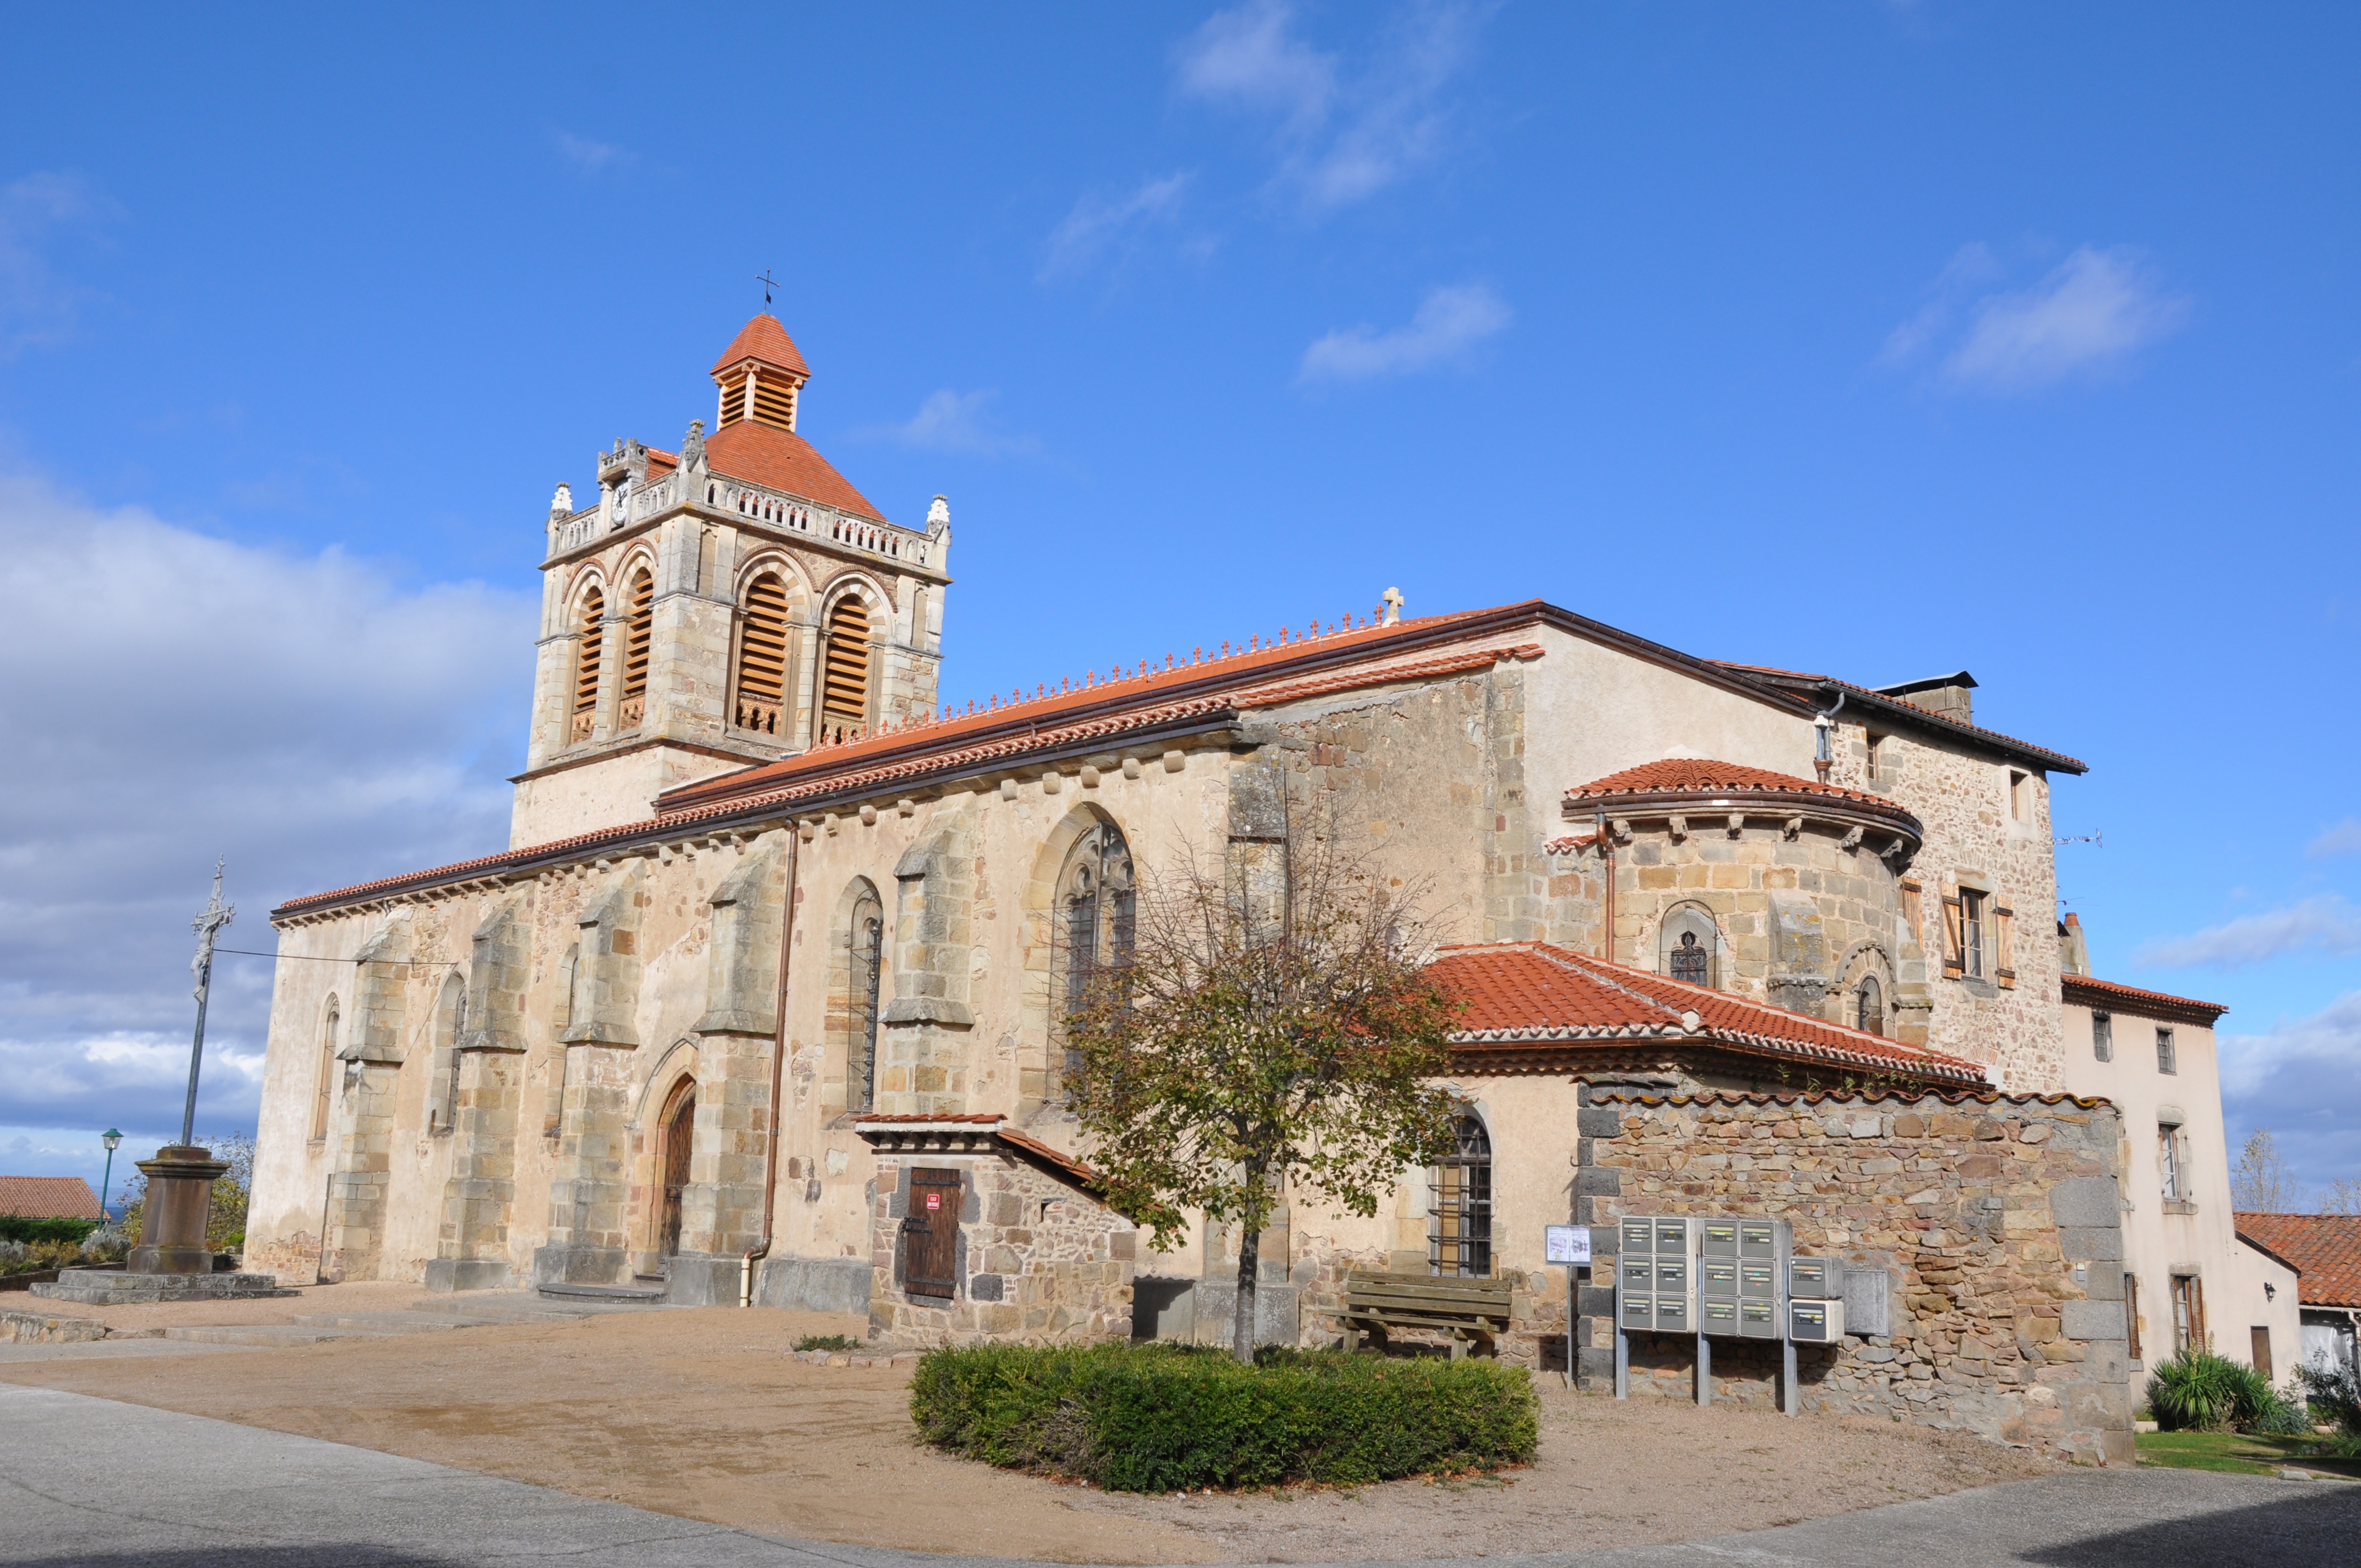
2261, 1343
680, 1122
930, 1234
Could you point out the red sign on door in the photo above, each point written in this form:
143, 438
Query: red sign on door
934, 1200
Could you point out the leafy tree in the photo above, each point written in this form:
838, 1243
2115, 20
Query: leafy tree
2261, 1184
1271, 1026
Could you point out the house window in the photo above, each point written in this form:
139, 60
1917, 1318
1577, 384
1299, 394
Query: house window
2102, 1036
844, 677
1971, 933
1459, 1238
1878, 753
1869, 1005
2170, 1161
589, 642
2187, 1313
2020, 796
1096, 910
762, 656
2131, 1314
2167, 1060
639, 634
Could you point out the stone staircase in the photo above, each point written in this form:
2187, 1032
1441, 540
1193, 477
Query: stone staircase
433, 1314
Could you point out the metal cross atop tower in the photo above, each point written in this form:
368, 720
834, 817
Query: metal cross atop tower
208, 924
768, 284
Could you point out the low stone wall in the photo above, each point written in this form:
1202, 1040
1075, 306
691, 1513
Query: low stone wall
1986, 1214
1039, 1260
51, 1328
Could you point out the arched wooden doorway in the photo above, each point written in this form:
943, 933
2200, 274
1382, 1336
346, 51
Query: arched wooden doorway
679, 1120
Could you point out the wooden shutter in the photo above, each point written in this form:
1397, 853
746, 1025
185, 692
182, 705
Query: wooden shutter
844, 684
762, 656
639, 632
2004, 946
1954, 939
588, 646
2131, 1312
2200, 1337
930, 1234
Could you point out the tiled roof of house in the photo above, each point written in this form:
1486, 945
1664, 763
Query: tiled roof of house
782, 460
2325, 1250
1702, 775
766, 340
1790, 681
1541, 996
2107, 996
48, 1197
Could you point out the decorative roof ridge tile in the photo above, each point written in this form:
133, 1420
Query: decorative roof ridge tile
1821, 1096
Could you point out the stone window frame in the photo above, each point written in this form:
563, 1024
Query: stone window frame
1689, 915
878, 606
2173, 1155
2102, 1036
323, 1079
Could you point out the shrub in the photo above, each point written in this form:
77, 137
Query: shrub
1156, 1418
19, 1228
2200, 1392
2335, 1391
828, 1341
106, 1245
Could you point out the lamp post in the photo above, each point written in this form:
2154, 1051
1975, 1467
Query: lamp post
112, 1140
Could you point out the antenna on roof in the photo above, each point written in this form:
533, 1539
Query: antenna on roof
768, 283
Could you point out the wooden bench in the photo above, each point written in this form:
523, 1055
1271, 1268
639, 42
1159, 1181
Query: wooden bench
1466, 1308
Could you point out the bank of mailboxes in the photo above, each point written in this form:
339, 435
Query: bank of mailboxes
1732, 1278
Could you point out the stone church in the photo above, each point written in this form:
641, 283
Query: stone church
762, 1002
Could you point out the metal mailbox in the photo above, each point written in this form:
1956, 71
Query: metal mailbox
1653, 1278
1758, 1319
1815, 1279
1815, 1323
1717, 1277
1718, 1238
1758, 1238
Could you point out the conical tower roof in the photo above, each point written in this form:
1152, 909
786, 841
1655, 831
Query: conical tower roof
765, 341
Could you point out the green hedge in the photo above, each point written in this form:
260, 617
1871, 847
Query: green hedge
19, 1228
1159, 1418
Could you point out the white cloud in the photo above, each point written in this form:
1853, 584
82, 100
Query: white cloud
2344, 839
2325, 924
591, 157
1449, 323
2302, 1080
1099, 225
1341, 135
953, 422
173, 697
35, 306
2085, 319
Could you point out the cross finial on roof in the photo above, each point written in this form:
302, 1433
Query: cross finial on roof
768, 283
1390, 605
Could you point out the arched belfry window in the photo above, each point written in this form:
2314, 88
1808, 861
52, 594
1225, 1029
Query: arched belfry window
589, 644
864, 944
639, 633
844, 674
762, 656
1459, 1229
1869, 1002
323, 1090
1097, 910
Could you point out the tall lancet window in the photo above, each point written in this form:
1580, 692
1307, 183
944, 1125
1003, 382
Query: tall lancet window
639, 633
844, 676
864, 939
762, 656
589, 645
323, 1090
1096, 911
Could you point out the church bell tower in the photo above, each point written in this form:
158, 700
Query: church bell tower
727, 605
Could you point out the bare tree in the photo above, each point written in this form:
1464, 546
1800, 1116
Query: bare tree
1273, 1026
2342, 1196
2261, 1184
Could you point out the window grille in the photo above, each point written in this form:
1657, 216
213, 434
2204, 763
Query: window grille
762, 656
639, 632
587, 647
1459, 1236
844, 682
2103, 1038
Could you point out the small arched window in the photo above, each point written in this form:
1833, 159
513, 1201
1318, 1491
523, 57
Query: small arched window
450, 1022
589, 645
639, 633
762, 656
1096, 912
864, 953
844, 678
323, 1090
1869, 1003
1459, 1232
1688, 946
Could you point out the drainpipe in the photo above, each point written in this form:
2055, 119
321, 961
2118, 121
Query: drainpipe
1822, 726
762, 1248
1607, 873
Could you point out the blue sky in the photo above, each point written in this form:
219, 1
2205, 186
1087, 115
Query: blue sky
1873, 339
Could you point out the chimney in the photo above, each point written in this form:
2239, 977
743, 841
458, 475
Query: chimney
2073, 952
1944, 695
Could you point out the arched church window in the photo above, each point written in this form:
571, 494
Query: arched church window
1869, 1004
762, 656
1459, 1232
1688, 946
844, 680
865, 941
639, 633
589, 644
1689, 960
323, 1090
1097, 913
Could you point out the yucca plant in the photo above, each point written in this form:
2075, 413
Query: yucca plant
2200, 1392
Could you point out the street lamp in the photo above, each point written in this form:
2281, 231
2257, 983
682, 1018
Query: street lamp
112, 1139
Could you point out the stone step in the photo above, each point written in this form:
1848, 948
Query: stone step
263, 1335
527, 1309
645, 1294
388, 1322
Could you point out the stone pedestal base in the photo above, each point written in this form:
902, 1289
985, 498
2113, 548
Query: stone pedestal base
112, 1287
179, 1205
466, 1274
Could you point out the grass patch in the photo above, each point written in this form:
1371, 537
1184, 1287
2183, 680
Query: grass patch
1159, 1417
2242, 1454
828, 1341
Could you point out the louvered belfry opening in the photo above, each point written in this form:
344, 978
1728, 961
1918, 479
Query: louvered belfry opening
639, 631
762, 656
733, 401
775, 402
844, 686
588, 646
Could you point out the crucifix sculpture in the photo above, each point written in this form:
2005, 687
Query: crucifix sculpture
208, 924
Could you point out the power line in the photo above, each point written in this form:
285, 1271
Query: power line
313, 958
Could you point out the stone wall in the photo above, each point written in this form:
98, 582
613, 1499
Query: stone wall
1995, 1218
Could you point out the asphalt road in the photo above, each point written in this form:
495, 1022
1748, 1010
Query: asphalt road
103, 1484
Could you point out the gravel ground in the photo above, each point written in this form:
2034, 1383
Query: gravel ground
701, 1414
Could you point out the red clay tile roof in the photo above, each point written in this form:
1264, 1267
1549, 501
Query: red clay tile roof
48, 1197
1702, 775
762, 339
1535, 993
2324, 1249
2106, 996
1063, 1166
766, 454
